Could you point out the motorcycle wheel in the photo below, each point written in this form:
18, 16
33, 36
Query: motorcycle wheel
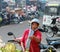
50, 33
16, 21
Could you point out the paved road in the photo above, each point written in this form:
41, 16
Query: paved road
17, 29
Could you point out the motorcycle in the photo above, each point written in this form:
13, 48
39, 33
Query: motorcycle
54, 41
51, 30
43, 47
11, 34
15, 41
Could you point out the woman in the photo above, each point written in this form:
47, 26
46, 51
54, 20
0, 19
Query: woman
31, 37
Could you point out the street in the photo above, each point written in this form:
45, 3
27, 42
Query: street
13, 12
18, 30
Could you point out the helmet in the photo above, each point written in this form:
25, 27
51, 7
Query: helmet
35, 20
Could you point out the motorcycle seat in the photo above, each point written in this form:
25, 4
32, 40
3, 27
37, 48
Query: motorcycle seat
55, 43
53, 38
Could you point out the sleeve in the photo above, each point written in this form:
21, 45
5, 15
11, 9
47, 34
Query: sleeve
23, 37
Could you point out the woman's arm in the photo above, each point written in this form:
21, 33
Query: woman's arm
22, 47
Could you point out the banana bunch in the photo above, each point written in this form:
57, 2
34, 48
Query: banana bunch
2, 49
10, 47
18, 50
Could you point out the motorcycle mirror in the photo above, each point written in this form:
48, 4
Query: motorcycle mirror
10, 33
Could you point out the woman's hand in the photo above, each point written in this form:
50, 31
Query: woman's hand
35, 38
18, 39
31, 37
24, 50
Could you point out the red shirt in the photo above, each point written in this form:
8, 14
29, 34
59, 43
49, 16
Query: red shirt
34, 46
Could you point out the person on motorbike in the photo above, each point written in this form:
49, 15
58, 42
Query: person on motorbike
19, 14
7, 15
31, 37
54, 20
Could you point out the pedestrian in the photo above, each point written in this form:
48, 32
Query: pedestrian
7, 15
31, 37
54, 20
12, 14
18, 12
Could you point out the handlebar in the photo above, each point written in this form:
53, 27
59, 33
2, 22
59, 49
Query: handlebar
13, 41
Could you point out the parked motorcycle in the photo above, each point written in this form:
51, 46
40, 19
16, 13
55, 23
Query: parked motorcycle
52, 30
55, 41
51, 41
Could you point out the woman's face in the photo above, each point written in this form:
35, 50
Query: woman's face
34, 25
